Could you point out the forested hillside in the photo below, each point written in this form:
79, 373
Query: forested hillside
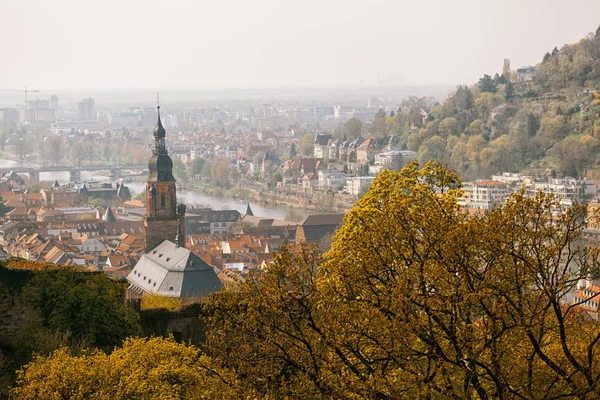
505, 123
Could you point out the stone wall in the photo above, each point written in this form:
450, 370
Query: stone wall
13, 309
185, 325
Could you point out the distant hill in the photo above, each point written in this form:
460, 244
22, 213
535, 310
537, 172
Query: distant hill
543, 119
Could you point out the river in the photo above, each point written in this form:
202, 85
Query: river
187, 196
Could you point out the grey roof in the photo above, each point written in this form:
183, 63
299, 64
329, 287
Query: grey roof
109, 216
322, 140
249, 210
213, 215
173, 271
323, 219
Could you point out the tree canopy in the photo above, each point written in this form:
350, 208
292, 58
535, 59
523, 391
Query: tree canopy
153, 368
417, 299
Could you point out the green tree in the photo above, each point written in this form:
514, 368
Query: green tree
448, 126
380, 114
89, 306
509, 91
468, 99
307, 144
546, 57
532, 125
353, 128
487, 84
96, 202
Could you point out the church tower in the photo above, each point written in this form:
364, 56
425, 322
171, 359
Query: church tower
164, 220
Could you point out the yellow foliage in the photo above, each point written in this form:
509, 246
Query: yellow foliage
153, 368
416, 299
150, 301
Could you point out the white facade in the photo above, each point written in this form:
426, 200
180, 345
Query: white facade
357, 185
484, 195
321, 151
568, 190
389, 156
331, 179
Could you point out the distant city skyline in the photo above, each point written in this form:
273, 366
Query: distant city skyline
185, 44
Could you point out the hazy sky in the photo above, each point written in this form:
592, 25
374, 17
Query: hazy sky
147, 44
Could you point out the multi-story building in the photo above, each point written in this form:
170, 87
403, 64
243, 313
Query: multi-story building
484, 195
391, 156
10, 116
567, 190
54, 102
343, 113
331, 179
321, 149
587, 298
86, 110
358, 184
211, 221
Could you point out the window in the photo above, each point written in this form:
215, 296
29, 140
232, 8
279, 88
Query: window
170, 287
163, 199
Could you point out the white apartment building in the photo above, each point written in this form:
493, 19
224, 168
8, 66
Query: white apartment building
484, 195
389, 156
358, 184
331, 179
568, 190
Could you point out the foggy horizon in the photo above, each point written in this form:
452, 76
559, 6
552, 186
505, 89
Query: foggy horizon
184, 45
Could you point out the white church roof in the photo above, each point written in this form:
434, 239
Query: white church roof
173, 271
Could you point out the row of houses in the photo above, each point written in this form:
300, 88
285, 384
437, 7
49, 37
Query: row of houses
488, 194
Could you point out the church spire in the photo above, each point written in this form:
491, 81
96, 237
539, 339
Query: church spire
159, 136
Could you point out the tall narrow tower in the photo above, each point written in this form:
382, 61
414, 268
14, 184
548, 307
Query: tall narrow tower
163, 218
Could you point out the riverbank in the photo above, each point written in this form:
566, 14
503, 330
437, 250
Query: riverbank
265, 197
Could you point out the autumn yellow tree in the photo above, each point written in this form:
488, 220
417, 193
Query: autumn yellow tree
418, 300
141, 369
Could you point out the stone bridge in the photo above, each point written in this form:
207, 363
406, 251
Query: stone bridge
74, 171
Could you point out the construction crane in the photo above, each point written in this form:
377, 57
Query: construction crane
22, 91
